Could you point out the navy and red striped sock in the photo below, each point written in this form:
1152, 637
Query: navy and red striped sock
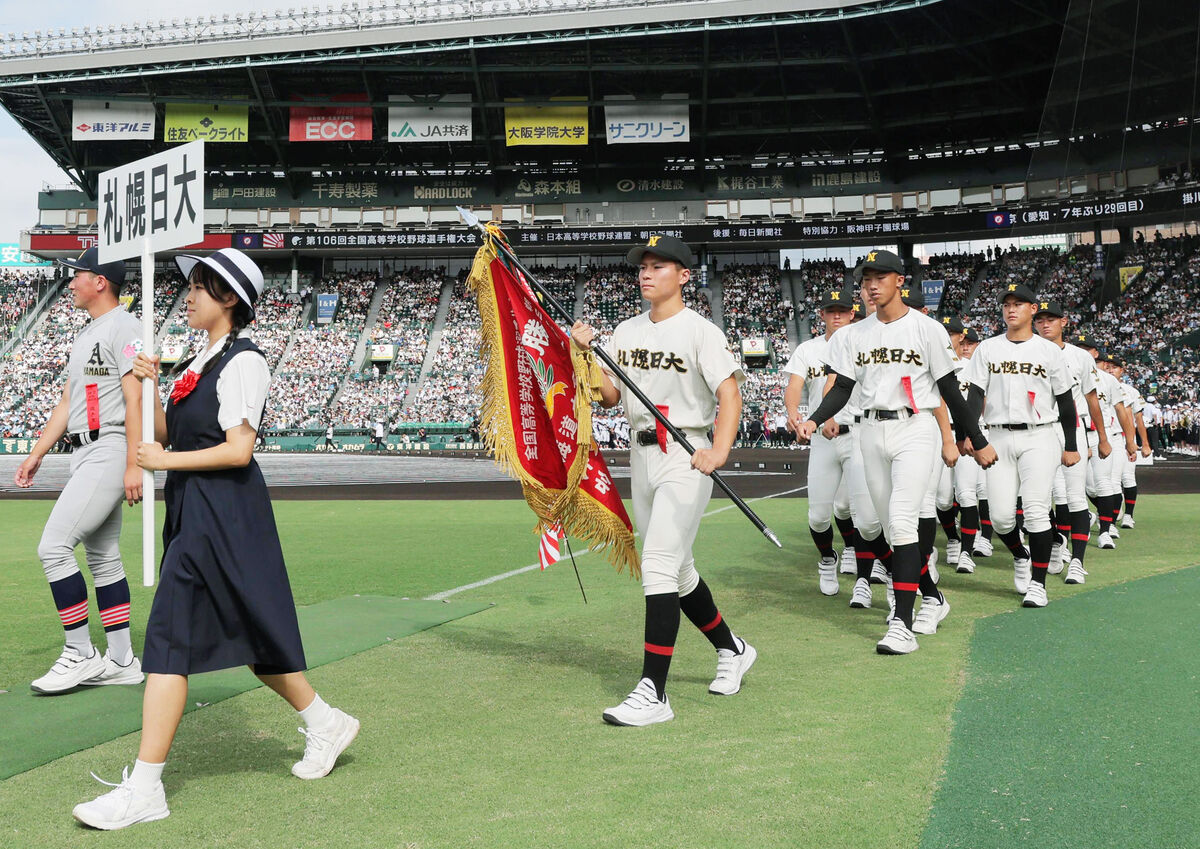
906, 580
71, 601
1040, 543
949, 525
113, 602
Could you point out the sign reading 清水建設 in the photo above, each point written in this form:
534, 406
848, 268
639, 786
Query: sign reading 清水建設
104, 120
429, 119
629, 121
214, 122
546, 125
160, 198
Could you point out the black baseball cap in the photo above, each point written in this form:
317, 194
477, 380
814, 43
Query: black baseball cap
1053, 308
1084, 340
912, 295
971, 335
837, 299
881, 260
857, 309
1019, 291
89, 260
668, 247
952, 323
1111, 358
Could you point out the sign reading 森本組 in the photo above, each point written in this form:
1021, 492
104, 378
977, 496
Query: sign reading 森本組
214, 122
328, 123
556, 124
160, 198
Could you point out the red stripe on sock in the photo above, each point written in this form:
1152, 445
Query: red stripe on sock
1066, 528
712, 624
663, 650
1045, 565
74, 614
864, 555
924, 570
987, 522
1130, 503
1080, 537
115, 615
905, 588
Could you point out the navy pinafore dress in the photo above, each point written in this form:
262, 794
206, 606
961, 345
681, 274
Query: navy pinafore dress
223, 599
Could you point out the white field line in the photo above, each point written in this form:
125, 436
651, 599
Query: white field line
445, 594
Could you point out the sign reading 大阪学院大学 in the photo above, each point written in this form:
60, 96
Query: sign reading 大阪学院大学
159, 198
429, 119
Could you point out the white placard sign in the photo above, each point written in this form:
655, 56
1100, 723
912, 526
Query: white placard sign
159, 198
108, 120
444, 119
628, 121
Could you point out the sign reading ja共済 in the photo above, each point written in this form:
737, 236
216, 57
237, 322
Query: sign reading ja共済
160, 198
429, 119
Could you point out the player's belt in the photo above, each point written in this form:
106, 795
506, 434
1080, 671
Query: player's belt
843, 429
1022, 425
649, 436
87, 437
888, 415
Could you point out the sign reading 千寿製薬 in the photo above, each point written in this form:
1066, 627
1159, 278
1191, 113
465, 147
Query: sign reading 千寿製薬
159, 198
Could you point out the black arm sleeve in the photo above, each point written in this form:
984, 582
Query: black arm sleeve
834, 400
965, 419
1066, 418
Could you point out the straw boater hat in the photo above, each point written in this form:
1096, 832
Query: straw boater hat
240, 272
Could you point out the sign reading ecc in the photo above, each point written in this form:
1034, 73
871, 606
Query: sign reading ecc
331, 123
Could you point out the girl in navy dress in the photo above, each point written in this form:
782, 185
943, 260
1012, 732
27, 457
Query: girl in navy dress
223, 599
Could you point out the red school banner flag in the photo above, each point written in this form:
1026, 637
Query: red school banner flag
536, 415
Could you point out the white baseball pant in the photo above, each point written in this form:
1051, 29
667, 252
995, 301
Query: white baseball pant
1070, 482
1025, 466
1101, 480
828, 467
899, 458
669, 498
862, 508
970, 482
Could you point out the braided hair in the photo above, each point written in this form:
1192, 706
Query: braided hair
219, 290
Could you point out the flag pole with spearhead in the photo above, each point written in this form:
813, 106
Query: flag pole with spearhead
561, 313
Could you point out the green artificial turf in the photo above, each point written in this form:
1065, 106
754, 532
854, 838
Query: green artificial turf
1078, 728
486, 732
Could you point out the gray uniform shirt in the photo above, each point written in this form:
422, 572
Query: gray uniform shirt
102, 354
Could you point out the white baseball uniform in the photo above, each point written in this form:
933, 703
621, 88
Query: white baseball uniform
678, 363
1104, 476
1070, 481
1135, 405
1020, 381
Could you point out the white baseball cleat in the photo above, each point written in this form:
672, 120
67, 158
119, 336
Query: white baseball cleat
1036, 597
730, 669
1093, 519
849, 562
1055, 564
879, 575
123, 806
966, 564
322, 746
953, 550
1114, 531
1105, 541
933, 569
1022, 574
642, 707
1127, 521
897, 640
827, 575
933, 610
983, 546
860, 598
69, 671
115, 673
1076, 574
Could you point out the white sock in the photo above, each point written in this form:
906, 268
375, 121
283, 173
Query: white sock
120, 646
318, 714
145, 777
79, 639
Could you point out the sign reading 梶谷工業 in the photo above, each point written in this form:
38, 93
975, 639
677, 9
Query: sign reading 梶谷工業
546, 125
11, 256
429, 119
324, 123
105, 120
214, 122
160, 198
629, 121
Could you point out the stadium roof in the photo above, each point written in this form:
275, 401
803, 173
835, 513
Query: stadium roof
769, 83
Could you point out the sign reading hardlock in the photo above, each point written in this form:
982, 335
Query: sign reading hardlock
331, 123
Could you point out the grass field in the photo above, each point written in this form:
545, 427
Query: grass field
486, 731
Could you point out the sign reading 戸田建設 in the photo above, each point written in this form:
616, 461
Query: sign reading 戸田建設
160, 198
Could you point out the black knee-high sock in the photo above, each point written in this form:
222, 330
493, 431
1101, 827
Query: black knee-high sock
906, 577
1013, 540
864, 555
1080, 528
824, 541
970, 527
1061, 522
882, 551
1106, 511
928, 588
946, 518
985, 519
700, 609
846, 529
1040, 543
926, 536
1020, 514
662, 627
1130, 500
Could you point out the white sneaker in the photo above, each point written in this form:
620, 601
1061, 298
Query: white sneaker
1022, 574
953, 550
69, 671
642, 707
1076, 574
1066, 552
891, 597
123, 806
849, 562
1055, 564
861, 596
932, 612
323, 746
898, 640
933, 569
966, 564
1106, 541
879, 575
891, 614
1114, 531
827, 575
730, 669
115, 673
1036, 597
1127, 521
1094, 519
983, 546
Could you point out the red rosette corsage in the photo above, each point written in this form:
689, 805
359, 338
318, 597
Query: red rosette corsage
183, 387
